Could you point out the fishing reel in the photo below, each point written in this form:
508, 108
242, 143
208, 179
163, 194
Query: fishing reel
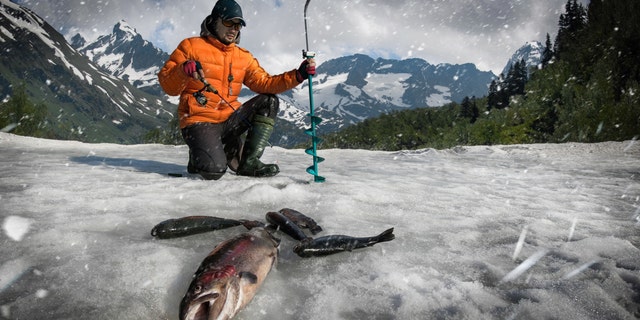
201, 98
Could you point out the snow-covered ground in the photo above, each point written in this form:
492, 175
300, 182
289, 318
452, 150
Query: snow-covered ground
488, 232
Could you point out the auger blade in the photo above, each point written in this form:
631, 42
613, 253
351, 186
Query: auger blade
315, 120
316, 159
316, 177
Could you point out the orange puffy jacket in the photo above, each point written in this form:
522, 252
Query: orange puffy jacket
226, 68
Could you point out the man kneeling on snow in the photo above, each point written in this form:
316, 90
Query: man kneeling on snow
208, 73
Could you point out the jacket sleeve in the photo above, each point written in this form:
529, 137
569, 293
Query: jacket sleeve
259, 81
171, 77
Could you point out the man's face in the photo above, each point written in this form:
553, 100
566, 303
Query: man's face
227, 30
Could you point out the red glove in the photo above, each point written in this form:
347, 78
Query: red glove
307, 68
191, 67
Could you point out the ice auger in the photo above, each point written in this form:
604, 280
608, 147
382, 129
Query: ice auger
315, 120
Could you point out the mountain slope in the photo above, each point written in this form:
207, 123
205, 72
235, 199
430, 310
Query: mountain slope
83, 102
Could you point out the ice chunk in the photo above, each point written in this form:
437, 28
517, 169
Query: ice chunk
16, 227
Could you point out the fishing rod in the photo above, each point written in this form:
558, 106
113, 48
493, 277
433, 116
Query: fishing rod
315, 120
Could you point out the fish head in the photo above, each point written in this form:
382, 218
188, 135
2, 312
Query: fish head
212, 295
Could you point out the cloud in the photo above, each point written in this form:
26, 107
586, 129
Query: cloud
483, 32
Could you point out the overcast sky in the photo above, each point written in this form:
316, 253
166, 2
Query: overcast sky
483, 32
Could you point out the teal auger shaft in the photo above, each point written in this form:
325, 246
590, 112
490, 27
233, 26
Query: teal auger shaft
313, 151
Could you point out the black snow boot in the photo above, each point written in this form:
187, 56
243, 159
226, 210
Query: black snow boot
257, 140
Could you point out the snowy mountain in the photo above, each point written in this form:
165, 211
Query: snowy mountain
531, 53
83, 101
358, 87
126, 55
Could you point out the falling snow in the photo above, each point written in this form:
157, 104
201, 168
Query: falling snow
485, 232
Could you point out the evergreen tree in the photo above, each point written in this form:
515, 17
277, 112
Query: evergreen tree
466, 109
492, 97
547, 54
516, 79
571, 23
501, 98
475, 112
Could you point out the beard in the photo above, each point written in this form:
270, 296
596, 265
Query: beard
227, 38
224, 34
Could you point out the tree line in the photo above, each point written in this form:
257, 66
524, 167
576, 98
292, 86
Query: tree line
586, 89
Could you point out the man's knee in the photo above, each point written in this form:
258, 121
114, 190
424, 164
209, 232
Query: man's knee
206, 166
268, 106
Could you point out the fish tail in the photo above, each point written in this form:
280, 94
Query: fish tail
386, 235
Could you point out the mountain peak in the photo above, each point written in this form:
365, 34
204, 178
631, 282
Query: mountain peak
124, 31
125, 54
124, 26
530, 52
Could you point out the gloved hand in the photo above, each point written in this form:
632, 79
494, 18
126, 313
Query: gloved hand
191, 68
307, 68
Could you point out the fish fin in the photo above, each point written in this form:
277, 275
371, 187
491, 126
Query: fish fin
386, 235
249, 276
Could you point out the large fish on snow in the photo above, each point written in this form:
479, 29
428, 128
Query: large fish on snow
230, 276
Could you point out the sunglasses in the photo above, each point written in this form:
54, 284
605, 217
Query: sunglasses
231, 24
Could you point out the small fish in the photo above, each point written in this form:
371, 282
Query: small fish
301, 220
324, 246
286, 225
229, 277
186, 226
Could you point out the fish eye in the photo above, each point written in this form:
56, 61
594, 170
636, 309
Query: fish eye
197, 289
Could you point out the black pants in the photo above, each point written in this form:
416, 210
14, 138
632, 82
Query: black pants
207, 141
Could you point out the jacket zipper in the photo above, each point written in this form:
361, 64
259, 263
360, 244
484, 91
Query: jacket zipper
230, 78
